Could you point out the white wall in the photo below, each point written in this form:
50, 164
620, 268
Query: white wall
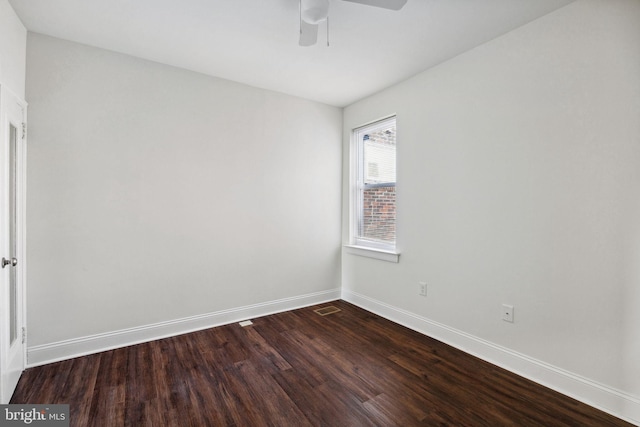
519, 183
13, 47
158, 194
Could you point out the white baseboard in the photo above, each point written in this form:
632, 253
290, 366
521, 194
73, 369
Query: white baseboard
68, 349
604, 398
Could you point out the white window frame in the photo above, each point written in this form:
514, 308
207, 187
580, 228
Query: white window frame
358, 245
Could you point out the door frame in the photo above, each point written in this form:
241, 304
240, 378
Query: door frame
6, 98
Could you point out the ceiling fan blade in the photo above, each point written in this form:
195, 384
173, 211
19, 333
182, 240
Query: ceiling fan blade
308, 34
385, 4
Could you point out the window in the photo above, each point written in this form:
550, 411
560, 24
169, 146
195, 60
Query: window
373, 208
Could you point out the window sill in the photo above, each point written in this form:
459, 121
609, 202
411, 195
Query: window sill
372, 253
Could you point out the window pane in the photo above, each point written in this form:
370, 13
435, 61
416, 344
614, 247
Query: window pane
380, 156
376, 213
379, 214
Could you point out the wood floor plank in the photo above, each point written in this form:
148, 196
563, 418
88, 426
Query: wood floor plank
349, 368
384, 409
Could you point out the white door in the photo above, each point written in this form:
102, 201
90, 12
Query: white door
12, 248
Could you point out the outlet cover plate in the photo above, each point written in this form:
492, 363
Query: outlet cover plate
423, 288
507, 313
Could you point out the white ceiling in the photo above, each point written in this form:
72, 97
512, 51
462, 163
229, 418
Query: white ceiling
256, 41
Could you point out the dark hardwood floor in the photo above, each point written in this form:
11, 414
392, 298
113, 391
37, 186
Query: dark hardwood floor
350, 368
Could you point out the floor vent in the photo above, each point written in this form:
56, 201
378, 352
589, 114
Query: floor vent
327, 310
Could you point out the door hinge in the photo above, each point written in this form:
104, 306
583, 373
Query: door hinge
24, 334
24, 130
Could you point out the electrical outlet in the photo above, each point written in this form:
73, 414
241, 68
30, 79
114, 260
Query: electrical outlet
507, 313
423, 288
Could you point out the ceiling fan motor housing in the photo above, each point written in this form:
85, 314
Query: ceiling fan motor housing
314, 11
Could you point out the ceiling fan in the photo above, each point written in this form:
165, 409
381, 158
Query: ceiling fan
313, 12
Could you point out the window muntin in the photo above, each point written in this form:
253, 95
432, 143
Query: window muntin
374, 207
